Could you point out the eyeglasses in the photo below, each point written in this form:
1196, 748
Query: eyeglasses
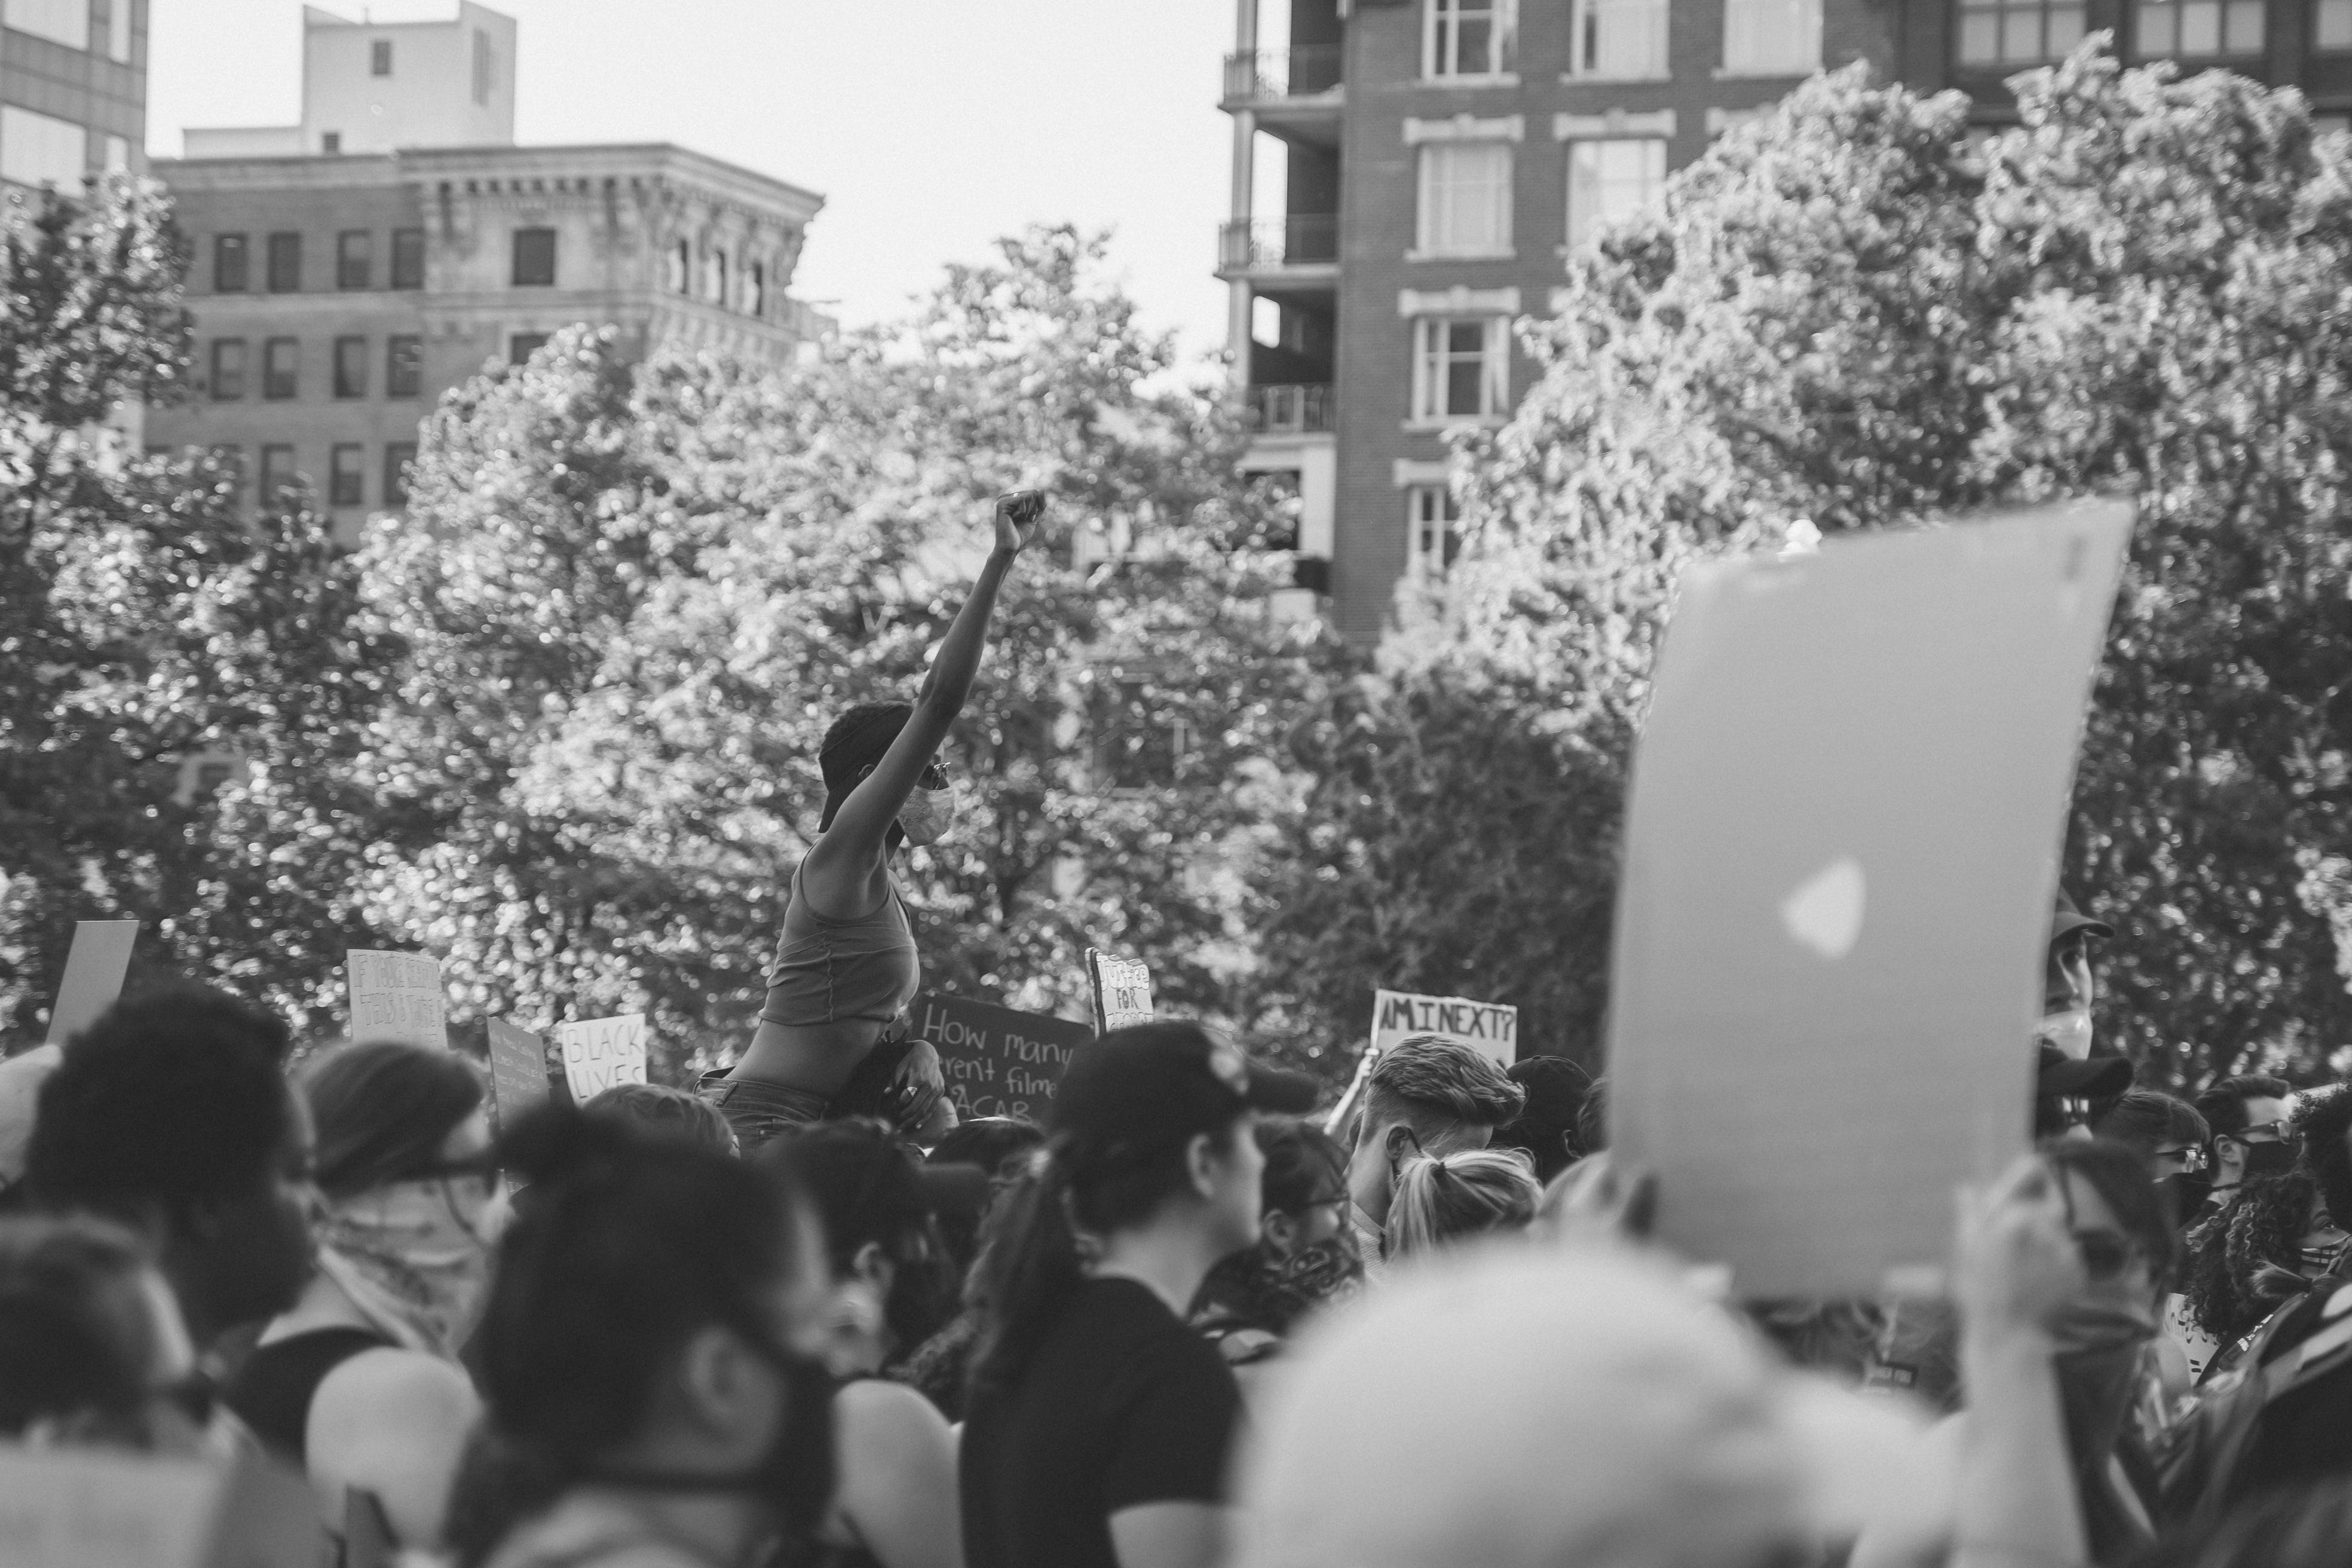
2191, 1159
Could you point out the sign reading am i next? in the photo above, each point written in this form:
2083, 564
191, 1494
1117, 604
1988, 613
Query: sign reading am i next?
1490, 1027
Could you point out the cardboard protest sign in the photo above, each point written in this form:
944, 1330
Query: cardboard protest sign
1121, 988
1841, 856
1491, 1027
397, 997
517, 1070
95, 966
998, 1062
600, 1052
72, 1508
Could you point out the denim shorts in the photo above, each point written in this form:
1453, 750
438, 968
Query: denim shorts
757, 1110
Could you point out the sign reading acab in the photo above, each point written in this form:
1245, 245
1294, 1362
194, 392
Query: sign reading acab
998, 1062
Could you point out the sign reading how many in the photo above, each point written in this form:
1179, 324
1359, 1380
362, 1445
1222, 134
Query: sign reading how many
998, 1062
600, 1052
397, 997
1490, 1027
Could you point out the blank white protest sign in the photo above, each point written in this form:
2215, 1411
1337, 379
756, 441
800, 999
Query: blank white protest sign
1840, 854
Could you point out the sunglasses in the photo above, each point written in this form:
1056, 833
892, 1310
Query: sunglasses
2261, 1132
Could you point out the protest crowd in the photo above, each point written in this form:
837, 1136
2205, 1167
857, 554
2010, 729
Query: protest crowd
1197, 1313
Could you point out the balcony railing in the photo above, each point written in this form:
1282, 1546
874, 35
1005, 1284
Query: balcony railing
1292, 410
1255, 76
1301, 240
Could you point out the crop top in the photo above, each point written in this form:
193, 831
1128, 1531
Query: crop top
830, 971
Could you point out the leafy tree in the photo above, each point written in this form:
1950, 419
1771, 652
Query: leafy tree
141, 619
1851, 313
634, 597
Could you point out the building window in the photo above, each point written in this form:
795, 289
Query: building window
1607, 179
117, 32
533, 265
1459, 367
230, 462
42, 150
351, 367
398, 456
354, 259
1465, 200
2196, 29
1432, 533
522, 345
755, 282
714, 276
285, 263
1466, 37
483, 67
279, 359
229, 276
2018, 32
379, 58
1771, 37
278, 478
2331, 25
118, 155
408, 258
674, 267
404, 362
1620, 40
63, 22
344, 461
228, 369
330, 142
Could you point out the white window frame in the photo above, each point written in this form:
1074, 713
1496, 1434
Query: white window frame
1581, 224
39, 149
1441, 40
2331, 27
1432, 515
2045, 16
1604, 24
117, 32
1433, 362
2229, 17
1459, 218
1751, 29
63, 22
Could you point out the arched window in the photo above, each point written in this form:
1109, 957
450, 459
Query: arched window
755, 289
673, 269
714, 277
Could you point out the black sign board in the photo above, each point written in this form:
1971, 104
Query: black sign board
998, 1062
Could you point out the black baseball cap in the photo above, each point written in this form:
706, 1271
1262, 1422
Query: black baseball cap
2068, 919
2059, 1076
1160, 1081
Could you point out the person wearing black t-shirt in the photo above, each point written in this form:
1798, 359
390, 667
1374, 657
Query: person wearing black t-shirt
1098, 1421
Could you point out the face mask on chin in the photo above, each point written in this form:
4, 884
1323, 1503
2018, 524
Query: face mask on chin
930, 814
2069, 1031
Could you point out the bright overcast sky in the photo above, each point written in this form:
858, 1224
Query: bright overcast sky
930, 126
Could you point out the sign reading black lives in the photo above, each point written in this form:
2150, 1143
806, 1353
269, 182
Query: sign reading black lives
998, 1062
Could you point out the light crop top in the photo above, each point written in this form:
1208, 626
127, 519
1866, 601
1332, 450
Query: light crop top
831, 972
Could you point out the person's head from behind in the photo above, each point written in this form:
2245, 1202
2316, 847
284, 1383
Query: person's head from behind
1547, 1126
2251, 1132
1531, 1407
92, 1349
654, 1317
1428, 1095
894, 1286
1150, 1148
1447, 1199
999, 1146
404, 1137
666, 1112
2170, 1138
170, 1114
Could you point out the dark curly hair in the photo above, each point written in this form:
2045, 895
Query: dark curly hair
171, 1097
2244, 1265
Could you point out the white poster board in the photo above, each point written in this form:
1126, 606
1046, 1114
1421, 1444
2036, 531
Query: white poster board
95, 967
1121, 988
1490, 1027
1841, 853
397, 997
599, 1053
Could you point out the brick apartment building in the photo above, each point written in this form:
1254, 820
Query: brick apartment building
1441, 158
346, 272
73, 89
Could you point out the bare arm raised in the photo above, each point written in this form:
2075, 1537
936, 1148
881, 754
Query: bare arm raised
845, 874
